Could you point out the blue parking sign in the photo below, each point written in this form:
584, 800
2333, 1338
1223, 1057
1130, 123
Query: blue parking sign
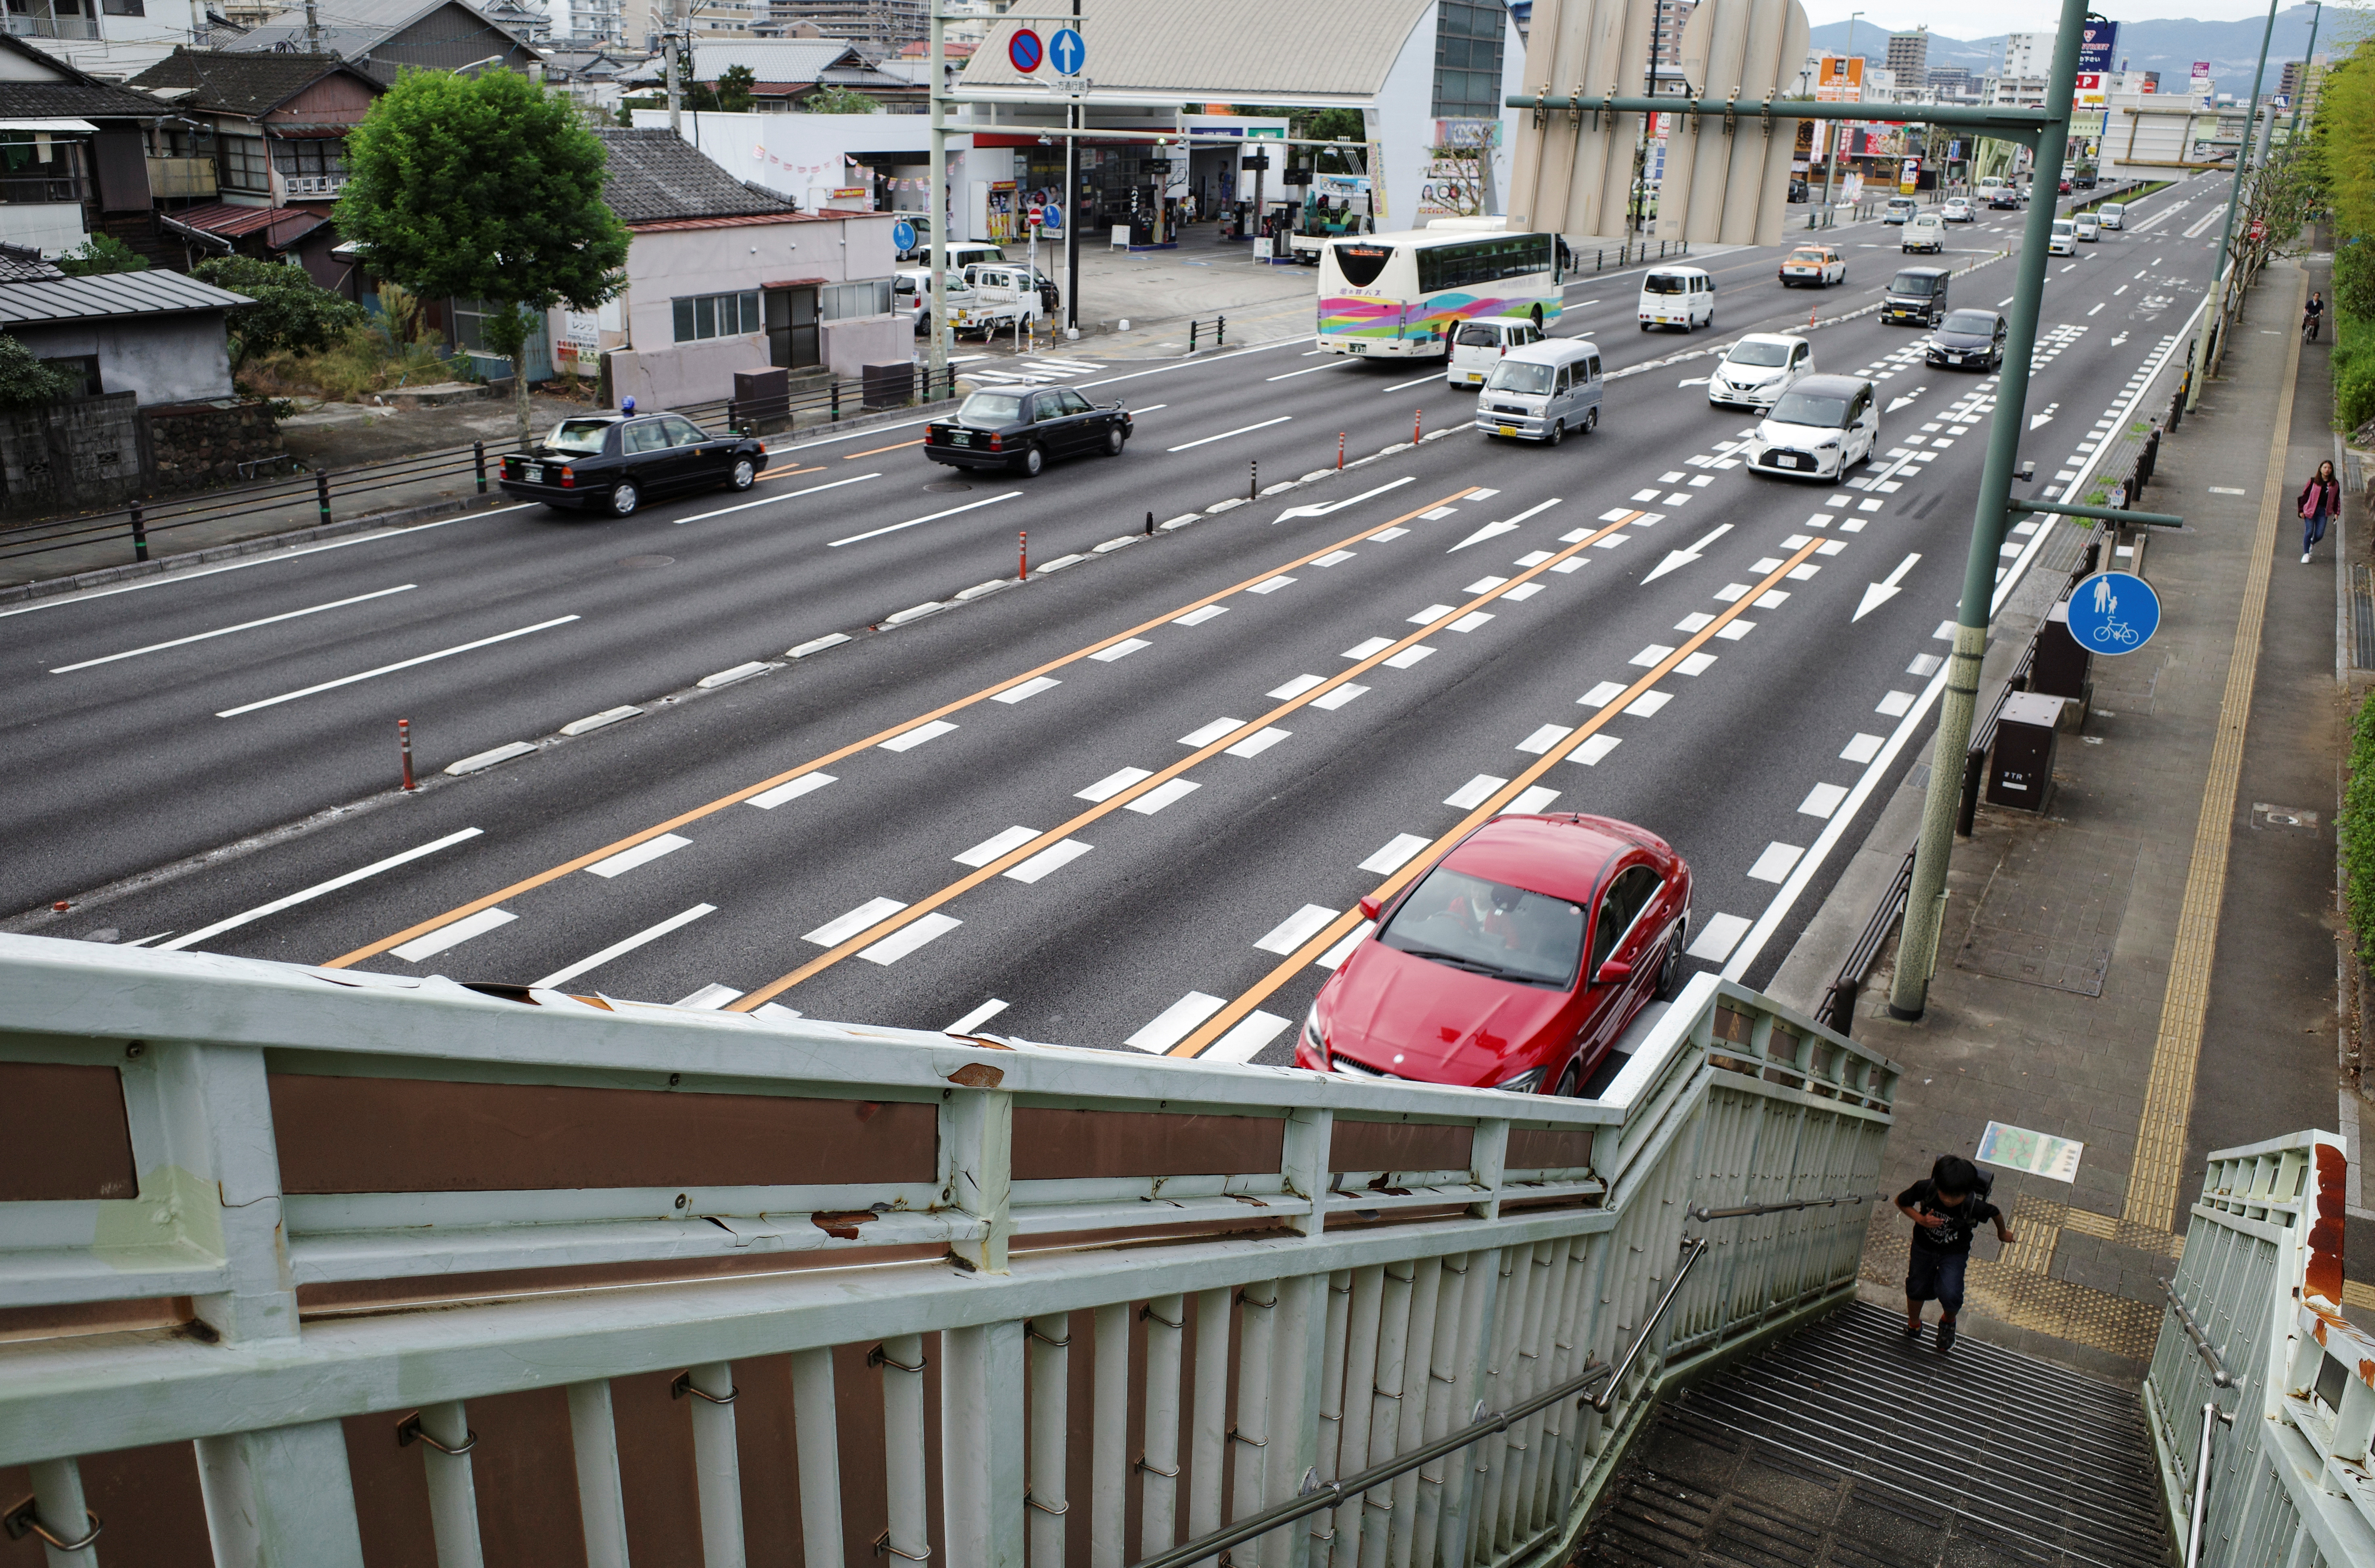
2114, 612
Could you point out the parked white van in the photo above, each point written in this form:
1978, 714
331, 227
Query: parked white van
1677, 296
1478, 346
1542, 391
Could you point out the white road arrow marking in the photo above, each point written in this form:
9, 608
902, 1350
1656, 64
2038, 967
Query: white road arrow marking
2044, 419
1881, 592
2119, 339
1685, 557
1334, 505
1696, 381
1494, 530
1908, 397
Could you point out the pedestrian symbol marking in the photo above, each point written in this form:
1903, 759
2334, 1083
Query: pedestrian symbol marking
2114, 612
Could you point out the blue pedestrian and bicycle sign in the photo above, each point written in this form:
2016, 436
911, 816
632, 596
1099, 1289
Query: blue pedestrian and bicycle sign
1051, 217
1025, 49
1068, 52
903, 235
2114, 612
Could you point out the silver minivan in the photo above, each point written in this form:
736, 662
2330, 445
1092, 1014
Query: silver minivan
1542, 391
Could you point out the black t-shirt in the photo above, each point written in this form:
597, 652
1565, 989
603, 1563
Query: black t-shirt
1962, 1222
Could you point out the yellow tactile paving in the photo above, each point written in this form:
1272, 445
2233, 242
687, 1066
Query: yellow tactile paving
2168, 1093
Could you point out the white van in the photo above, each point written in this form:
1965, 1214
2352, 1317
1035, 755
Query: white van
1542, 391
1677, 296
2065, 239
2090, 227
1477, 346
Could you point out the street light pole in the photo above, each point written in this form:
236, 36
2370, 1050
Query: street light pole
937, 359
2300, 87
1925, 904
2215, 321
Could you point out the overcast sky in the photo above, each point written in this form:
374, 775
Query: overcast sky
1956, 20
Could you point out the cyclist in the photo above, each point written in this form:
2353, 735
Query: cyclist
2311, 316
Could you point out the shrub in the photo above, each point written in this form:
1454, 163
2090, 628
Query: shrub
2354, 371
2357, 830
291, 311
25, 382
101, 252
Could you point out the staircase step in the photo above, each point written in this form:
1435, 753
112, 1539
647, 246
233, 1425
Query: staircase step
1840, 1447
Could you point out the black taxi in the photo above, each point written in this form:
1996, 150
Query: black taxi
617, 460
1022, 428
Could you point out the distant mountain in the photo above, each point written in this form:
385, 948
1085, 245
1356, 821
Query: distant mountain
2169, 46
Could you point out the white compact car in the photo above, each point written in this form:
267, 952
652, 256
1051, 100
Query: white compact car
2113, 215
1758, 369
1957, 209
1677, 296
1818, 429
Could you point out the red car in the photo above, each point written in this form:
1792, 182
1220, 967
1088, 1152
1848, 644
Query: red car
1488, 972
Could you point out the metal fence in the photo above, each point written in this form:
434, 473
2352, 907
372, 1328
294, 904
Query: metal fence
296, 1259
2257, 1381
331, 494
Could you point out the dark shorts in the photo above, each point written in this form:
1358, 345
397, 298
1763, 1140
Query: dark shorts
1936, 1276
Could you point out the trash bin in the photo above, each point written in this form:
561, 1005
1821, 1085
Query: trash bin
762, 399
2063, 666
2021, 772
889, 387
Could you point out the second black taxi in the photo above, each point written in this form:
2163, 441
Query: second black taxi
617, 460
1022, 428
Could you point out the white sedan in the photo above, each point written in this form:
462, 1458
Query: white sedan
1758, 369
1957, 209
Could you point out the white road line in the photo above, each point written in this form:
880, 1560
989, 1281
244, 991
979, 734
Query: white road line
772, 499
997, 844
1296, 929
770, 799
227, 631
1224, 435
931, 517
1312, 369
1205, 734
908, 938
1246, 1041
1543, 738
1296, 687
1373, 645
1533, 803
650, 934
1258, 742
1199, 616
1395, 854
1165, 794
1860, 750
917, 735
270, 558
1595, 749
1028, 689
1422, 381
865, 917
977, 1018
1120, 650
1823, 799
1773, 866
1175, 1023
1335, 956
1475, 792
626, 860
709, 999
1339, 696
454, 936
391, 669
1055, 857
1113, 784
1721, 935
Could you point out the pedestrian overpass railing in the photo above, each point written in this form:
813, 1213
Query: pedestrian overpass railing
309, 1268
2256, 1380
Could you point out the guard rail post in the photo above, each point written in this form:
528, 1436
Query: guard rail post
837, 400
1220, 332
1192, 325
733, 418
322, 492
139, 535
478, 458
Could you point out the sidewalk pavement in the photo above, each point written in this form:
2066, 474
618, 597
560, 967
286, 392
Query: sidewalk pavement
2149, 967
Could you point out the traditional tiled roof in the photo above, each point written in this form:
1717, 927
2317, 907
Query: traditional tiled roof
67, 93
655, 176
232, 82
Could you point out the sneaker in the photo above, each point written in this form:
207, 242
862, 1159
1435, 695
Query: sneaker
1912, 1333
1945, 1337
2304, 558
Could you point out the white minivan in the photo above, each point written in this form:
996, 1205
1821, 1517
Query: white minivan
1677, 296
1541, 391
2113, 215
2064, 241
2089, 227
1477, 346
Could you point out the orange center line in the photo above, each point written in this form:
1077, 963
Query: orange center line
787, 473
1105, 807
697, 813
854, 456
1337, 929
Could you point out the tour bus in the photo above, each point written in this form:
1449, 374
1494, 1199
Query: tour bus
1405, 295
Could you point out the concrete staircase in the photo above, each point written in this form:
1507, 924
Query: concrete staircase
1840, 1446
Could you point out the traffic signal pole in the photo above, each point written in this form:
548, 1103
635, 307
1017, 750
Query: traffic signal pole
1925, 904
2213, 321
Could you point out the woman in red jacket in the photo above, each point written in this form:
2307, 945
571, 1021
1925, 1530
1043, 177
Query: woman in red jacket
2320, 500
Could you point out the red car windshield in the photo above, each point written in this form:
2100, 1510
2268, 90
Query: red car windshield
1489, 928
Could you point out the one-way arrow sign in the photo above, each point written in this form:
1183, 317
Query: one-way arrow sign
1881, 592
1685, 557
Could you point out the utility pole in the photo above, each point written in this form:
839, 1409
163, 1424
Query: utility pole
1925, 902
936, 361
2213, 321
672, 41
2300, 87
1837, 131
1072, 205
313, 29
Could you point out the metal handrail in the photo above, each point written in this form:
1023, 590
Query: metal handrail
2211, 1416
1703, 1215
1316, 1496
2219, 1376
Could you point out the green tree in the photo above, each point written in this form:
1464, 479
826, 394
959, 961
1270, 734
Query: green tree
733, 90
487, 189
290, 310
25, 382
838, 100
101, 252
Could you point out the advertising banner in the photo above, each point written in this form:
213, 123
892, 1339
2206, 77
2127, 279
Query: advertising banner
2097, 44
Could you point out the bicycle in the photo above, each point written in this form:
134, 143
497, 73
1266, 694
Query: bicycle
2118, 632
2309, 326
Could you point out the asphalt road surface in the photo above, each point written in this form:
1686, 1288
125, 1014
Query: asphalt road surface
1131, 801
